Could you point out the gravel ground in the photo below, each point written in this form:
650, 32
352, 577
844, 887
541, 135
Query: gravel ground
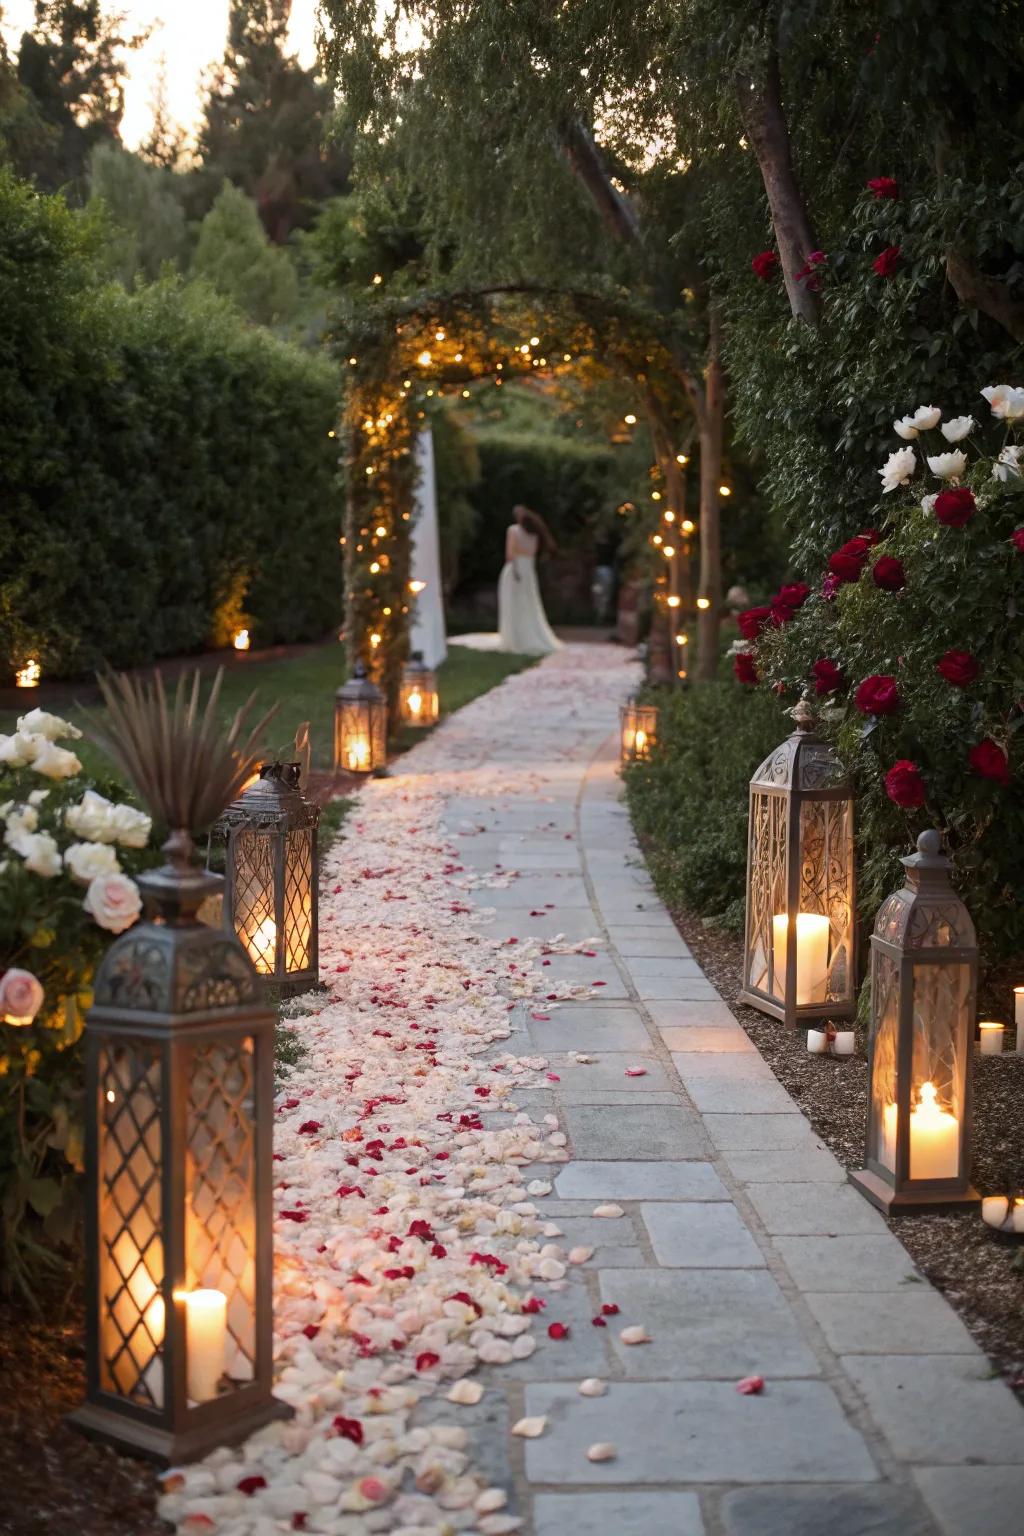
979, 1273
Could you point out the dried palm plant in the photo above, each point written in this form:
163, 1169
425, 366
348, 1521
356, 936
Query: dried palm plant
183, 763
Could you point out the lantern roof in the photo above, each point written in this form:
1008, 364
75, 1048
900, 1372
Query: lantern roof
417, 667
273, 801
360, 688
927, 913
803, 761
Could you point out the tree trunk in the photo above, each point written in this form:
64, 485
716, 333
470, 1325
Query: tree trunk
709, 584
768, 133
975, 290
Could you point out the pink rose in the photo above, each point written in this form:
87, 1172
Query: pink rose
21, 996
113, 901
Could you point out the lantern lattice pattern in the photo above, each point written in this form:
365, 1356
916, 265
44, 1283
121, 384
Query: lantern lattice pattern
179, 1084
271, 886
638, 730
360, 724
799, 953
923, 979
418, 702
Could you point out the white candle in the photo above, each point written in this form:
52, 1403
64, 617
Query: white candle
415, 703
991, 1038
205, 1335
1018, 1018
262, 946
358, 753
934, 1138
812, 935
1018, 1215
817, 1041
843, 1043
994, 1210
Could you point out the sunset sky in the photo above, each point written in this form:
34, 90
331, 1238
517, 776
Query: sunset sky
189, 33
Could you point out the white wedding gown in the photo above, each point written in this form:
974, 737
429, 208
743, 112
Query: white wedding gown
522, 622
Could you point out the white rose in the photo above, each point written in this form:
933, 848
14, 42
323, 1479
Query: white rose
948, 466
87, 860
923, 419
19, 750
897, 469
39, 852
956, 430
38, 723
928, 503
1006, 400
113, 901
131, 828
91, 818
1007, 466
55, 762
22, 818
38, 796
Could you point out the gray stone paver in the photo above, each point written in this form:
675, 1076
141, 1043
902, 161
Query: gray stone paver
741, 1248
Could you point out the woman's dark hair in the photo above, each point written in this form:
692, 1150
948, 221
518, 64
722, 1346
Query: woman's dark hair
535, 524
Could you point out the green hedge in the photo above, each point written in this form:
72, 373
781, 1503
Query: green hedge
162, 462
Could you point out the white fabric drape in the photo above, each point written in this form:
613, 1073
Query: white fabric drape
427, 632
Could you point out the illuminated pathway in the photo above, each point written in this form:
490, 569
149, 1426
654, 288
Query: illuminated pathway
528, 1133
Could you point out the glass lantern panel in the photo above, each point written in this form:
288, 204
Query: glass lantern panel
220, 1213
253, 896
355, 742
826, 890
885, 996
131, 1257
939, 1069
766, 896
298, 899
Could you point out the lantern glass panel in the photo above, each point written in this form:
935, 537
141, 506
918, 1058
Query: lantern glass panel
220, 1213
131, 1257
639, 731
826, 888
767, 894
298, 905
885, 992
252, 916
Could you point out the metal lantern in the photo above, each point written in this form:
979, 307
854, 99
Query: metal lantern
360, 724
271, 876
179, 1112
799, 956
638, 729
417, 699
924, 965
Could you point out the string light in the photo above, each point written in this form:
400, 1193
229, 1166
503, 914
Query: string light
682, 458
674, 601
724, 490
439, 335
417, 586
629, 419
374, 567
687, 526
682, 639
656, 538
655, 495
424, 359
377, 279
669, 516
534, 341
668, 551
380, 530
375, 639
703, 603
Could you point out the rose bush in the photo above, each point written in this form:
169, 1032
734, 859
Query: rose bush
67, 853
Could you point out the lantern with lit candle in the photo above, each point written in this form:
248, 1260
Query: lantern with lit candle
417, 698
360, 724
799, 952
638, 730
924, 962
179, 1048
271, 877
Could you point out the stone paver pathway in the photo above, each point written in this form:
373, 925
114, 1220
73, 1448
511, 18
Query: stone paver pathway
741, 1248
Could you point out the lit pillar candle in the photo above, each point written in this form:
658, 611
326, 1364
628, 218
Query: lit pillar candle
1018, 1018
812, 934
994, 1210
934, 1138
991, 1038
262, 946
415, 702
206, 1313
358, 753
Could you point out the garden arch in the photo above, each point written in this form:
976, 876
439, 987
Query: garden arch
402, 356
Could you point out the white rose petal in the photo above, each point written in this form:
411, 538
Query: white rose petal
635, 1335
928, 502
498, 1525
38, 796
113, 902
956, 430
580, 1255
39, 723
1007, 466
905, 428
40, 853
131, 828
87, 860
602, 1451
18, 750
91, 818
926, 417
538, 1187
1006, 400
592, 1386
948, 466
897, 469
609, 1211
22, 818
490, 1500
55, 762
530, 1429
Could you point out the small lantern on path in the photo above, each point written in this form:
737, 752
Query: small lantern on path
799, 957
638, 726
271, 876
360, 724
179, 1048
924, 963
417, 700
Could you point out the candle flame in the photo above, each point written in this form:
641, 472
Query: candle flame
241, 641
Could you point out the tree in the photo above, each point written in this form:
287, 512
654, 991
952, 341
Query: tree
165, 142
146, 218
265, 122
234, 255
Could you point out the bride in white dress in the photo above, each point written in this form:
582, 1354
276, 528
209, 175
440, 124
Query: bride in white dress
522, 622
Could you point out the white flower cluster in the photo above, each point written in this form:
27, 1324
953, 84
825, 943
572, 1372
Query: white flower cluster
1007, 404
101, 821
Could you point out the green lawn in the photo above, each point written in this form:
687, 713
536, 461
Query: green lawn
303, 688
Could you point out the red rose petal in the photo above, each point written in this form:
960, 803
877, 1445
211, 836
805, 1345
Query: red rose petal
558, 1331
249, 1485
750, 1386
610, 1309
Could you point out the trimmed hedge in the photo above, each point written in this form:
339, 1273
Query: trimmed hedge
164, 465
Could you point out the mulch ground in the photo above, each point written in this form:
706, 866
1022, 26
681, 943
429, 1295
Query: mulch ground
980, 1274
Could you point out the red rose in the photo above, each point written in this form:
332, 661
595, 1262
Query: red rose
744, 667
904, 785
1017, 540
848, 562
888, 573
990, 761
871, 536
886, 264
878, 695
765, 265
807, 273
827, 676
792, 595
884, 186
752, 620
958, 668
955, 507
